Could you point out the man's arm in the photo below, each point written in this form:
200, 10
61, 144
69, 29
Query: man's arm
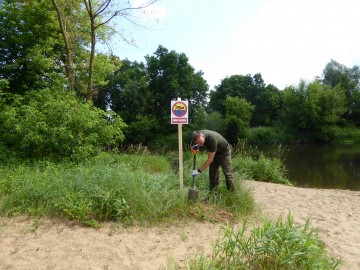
208, 161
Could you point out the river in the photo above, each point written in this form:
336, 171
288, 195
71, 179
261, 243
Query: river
323, 166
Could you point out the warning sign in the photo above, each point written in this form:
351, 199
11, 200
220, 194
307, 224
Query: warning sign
179, 112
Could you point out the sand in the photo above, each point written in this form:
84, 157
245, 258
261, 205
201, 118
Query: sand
27, 243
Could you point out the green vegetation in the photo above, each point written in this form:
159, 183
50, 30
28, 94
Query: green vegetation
127, 187
272, 245
62, 58
55, 124
268, 136
137, 187
263, 169
66, 112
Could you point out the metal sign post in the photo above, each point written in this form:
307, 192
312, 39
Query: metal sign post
179, 116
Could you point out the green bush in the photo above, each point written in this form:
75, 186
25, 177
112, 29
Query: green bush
55, 124
263, 169
273, 245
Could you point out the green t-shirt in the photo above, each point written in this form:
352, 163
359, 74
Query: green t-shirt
214, 142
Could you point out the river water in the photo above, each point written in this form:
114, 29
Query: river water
323, 166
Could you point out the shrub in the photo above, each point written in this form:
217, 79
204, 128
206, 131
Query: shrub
56, 124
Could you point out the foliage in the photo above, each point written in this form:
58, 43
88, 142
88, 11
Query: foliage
56, 124
267, 107
336, 74
214, 121
143, 130
128, 188
127, 94
265, 99
233, 86
312, 108
275, 244
82, 25
263, 169
51, 44
267, 136
199, 120
170, 142
348, 135
170, 77
139, 91
238, 116
30, 47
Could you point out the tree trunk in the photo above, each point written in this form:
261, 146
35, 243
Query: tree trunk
89, 94
67, 42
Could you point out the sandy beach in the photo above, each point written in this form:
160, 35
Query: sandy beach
27, 243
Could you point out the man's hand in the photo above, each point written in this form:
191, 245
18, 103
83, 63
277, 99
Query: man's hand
195, 172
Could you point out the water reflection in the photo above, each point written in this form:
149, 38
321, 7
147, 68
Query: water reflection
324, 166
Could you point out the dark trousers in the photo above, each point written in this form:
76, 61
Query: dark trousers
222, 161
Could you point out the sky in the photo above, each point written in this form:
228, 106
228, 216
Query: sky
284, 40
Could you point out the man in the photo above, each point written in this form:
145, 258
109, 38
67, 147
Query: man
219, 155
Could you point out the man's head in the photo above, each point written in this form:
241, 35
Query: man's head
198, 138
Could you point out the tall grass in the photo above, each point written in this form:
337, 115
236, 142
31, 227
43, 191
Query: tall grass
263, 169
128, 187
108, 187
273, 245
250, 162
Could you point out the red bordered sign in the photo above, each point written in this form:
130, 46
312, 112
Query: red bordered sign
179, 112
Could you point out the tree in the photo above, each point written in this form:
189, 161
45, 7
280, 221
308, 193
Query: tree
312, 110
66, 11
128, 94
30, 48
142, 93
127, 91
215, 121
268, 107
266, 99
334, 74
171, 76
238, 116
233, 86
100, 13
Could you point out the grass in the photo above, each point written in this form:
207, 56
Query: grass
278, 244
263, 169
143, 188
130, 188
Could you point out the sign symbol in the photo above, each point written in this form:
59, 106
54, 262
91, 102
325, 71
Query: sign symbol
179, 109
179, 112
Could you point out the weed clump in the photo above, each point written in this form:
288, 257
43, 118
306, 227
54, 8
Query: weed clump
275, 244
